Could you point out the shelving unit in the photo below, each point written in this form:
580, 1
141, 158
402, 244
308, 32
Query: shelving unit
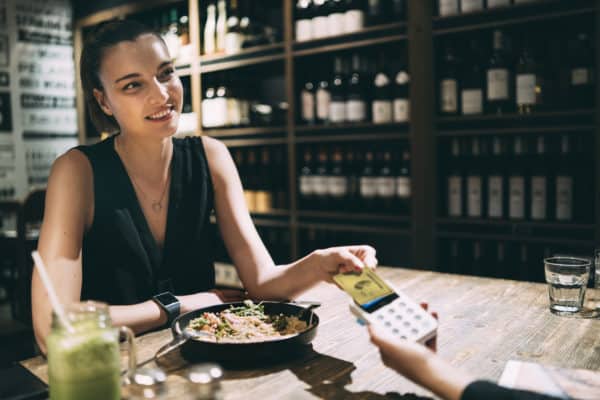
423, 227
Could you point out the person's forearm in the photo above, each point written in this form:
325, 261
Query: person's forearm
139, 317
284, 282
442, 378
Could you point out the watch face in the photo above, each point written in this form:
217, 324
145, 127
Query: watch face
166, 298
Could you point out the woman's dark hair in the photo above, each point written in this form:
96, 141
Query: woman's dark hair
103, 37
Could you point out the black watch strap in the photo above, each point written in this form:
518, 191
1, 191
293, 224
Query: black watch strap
168, 302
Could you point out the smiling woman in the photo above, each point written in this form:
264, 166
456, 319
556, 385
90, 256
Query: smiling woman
127, 220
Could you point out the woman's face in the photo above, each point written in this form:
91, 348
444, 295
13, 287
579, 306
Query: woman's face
140, 87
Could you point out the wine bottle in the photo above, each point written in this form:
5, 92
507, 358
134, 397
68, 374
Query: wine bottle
496, 180
382, 105
354, 16
530, 87
377, 12
581, 71
447, 7
368, 182
455, 181
233, 37
356, 104
221, 25
323, 98
449, 82
320, 181
306, 187
517, 181
386, 182
319, 20
335, 18
303, 20
210, 29
539, 182
499, 77
497, 3
472, 81
208, 106
401, 106
308, 102
250, 182
404, 184
475, 182
469, 6
337, 105
264, 187
564, 182
337, 181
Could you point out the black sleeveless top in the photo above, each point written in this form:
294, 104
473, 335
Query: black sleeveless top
122, 264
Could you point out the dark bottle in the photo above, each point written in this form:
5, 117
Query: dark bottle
353, 173
455, 262
496, 182
306, 177
319, 19
401, 94
335, 16
308, 102
234, 37
320, 181
280, 178
449, 76
337, 181
323, 98
529, 81
500, 261
368, 182
478, 266
475, 184
497, 3
403, 184
354, 16
473, 81
499, 77
539, 182
264, 184
377, 12
455, 181
386, 182
564, 181
208, 106
581, 71
251, 177
517, 181
303, 17
356, 102
382, 105
337, 105
398, 10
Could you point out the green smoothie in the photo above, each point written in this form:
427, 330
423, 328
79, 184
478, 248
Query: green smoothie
85, 364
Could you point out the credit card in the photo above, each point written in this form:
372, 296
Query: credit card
364, 287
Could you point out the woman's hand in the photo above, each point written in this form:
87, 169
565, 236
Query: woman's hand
196, 301
335, 260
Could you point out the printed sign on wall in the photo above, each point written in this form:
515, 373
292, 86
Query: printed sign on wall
5, 113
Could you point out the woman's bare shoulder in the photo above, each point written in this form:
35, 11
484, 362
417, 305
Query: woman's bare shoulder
72, 167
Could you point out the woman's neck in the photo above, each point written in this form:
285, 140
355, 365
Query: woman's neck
147, 159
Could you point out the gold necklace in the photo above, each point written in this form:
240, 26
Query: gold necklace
156, 204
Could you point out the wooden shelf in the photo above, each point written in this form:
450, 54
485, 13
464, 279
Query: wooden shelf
249, 131
512, 15
352, 216
253, 142
251, 56
567, 226
517, 130
266, 219
515, 238
544, 115
124, 10
276, 213
357, 137
354, 228
341, 44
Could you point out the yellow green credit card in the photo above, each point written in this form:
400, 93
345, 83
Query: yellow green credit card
364, 287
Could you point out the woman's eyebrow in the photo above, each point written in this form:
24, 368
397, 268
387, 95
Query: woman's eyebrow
136, 74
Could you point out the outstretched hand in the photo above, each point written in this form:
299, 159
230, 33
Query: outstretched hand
343, 259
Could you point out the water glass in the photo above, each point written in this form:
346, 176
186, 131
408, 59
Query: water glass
567, 279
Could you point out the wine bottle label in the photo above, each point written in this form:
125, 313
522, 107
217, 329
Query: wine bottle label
386, 187
471, 5
354, 20
449, 89
233, 42
526, 89
564, 198
580, 76
304, 30
403, 187
319, 184
306, 185
233, 112
308, 106
335, 24
338, 186
474, 196
337, 111
495, 196
263, 201
455, 196
516, 206
401, 110
497, 3
448, 7
207, 113
244, 112
323, 100
382, 111
219, 108
497, 84
319, 27
538, 197
368, 187
356, 110
472, 101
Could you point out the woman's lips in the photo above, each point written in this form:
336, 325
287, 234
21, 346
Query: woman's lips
161, 116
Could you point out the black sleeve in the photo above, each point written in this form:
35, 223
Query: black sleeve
490, 391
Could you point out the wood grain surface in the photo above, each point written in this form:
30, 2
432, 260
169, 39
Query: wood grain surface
483, 324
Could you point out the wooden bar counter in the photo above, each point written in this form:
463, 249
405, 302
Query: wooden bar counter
483, 324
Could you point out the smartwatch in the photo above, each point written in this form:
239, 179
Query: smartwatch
168, 302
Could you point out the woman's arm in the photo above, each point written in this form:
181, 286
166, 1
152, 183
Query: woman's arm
261, 278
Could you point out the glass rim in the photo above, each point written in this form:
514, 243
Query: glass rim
564, 261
